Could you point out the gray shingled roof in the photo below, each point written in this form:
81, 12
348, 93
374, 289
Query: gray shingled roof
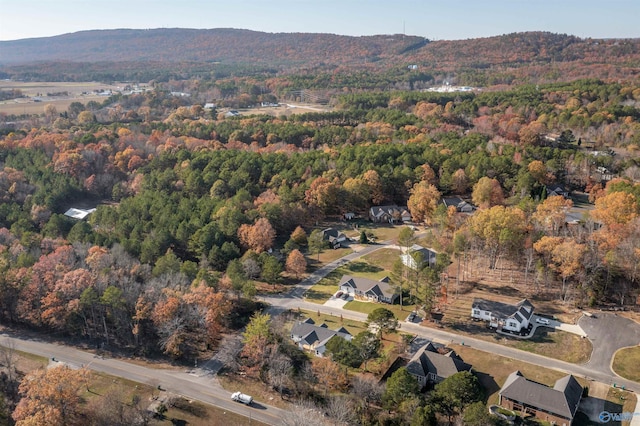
311, 333
562, 399
428, 360
366, 285
524, 308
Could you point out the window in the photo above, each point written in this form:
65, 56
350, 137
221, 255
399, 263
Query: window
476, 312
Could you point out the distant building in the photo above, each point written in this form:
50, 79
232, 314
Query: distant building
79, 214
557, 405
390, 214
334, 237
460, 205
556, 189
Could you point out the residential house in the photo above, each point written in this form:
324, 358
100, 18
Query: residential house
502, 315
429, 366
349, 216
460, 205
391, 214
368, 290
79, 214
313, 338
556, 189
334, 237
556, 405
417, 251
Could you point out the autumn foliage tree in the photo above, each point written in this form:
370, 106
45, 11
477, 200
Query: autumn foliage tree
551, 213
259, 236
423, 201
487, 193
51, 397
499, 229
296, 263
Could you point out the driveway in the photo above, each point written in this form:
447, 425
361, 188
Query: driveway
336, 302
608, 332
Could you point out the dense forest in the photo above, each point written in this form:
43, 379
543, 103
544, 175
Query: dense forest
193, 197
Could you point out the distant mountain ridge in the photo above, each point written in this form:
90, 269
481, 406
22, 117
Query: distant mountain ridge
138, 54
214, 45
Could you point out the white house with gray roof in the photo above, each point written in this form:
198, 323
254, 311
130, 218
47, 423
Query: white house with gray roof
502, 315
313, 338
426, 256
368, 290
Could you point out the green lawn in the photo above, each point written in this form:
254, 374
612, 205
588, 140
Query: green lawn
333, 322
626, 363
383, 258
368, 307
326, 287
493, 370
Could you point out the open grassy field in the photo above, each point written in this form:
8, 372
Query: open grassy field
626, 363
493, 370
82, 92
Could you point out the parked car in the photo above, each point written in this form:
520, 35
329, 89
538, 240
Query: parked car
542, 321
345, 296
241, 397
338, 294
411, 317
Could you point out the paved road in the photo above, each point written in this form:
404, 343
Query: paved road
204, 387
598, 368
446, 337
608, 332
201, 387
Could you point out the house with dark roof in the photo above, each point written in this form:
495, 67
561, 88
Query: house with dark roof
556, 405
503, 316
429, 366
334, 237
460, 205
313, 338
427, 257
368, 290
391, 214
556, 189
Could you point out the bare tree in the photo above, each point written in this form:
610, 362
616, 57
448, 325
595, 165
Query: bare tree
366, 389
8, 359
341, 410
305, 413
280, 369
227, 355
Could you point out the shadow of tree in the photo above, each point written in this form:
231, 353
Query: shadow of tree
362, 267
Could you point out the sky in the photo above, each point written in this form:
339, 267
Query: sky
435, 20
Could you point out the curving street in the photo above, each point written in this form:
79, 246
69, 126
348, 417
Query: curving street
201, 384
